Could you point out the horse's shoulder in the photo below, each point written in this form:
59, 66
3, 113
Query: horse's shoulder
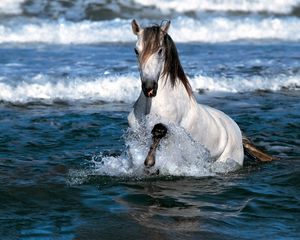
215, 113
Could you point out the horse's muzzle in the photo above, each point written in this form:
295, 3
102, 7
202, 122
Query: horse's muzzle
149, 88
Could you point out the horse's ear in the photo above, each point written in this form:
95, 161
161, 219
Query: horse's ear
135, 27
165, 27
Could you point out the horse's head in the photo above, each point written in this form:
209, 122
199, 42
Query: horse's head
151, 54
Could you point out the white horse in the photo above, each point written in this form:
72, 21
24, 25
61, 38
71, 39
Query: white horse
167, 95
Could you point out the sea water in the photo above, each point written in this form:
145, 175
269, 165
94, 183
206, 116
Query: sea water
68, 80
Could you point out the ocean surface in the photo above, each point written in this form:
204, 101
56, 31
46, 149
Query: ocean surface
68, 80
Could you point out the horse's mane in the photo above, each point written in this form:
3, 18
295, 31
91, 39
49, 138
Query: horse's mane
172, 68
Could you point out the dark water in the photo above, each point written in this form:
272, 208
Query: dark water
48, 189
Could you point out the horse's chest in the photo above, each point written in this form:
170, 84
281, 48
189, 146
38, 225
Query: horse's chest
166, 111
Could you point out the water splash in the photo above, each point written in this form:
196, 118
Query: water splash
177, 155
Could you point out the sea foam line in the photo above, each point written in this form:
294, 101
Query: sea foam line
276, 6
183, 29
11, 6
109, 89
79, 8
241, 84
126, 88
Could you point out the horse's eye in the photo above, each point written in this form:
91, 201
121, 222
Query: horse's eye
160, 51
136, 51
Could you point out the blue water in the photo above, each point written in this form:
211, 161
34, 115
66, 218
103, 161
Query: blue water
49, 186
63, 120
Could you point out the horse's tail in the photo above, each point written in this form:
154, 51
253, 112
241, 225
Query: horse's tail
253, 152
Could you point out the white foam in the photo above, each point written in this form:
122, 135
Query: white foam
65, 32
178, 155
79, 9
126, 88
275, 6
240, 84
183, 29
223, 29
110, 89
11, 6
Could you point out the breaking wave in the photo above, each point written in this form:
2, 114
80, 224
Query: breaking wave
91, 21
151, 9
126, 88
184, 29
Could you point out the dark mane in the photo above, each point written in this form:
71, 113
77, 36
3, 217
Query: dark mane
172, 68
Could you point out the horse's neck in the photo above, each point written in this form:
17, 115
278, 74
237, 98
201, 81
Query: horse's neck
170, 104
172, 95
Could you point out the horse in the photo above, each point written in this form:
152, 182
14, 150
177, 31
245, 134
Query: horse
167, 94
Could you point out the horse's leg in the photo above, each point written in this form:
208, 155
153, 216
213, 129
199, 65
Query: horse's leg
158, 132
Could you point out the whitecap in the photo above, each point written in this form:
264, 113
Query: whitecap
126, 88
210, 29
276, 6
11, 6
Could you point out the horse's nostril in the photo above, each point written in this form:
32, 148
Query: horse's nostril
149, 88
150, 93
